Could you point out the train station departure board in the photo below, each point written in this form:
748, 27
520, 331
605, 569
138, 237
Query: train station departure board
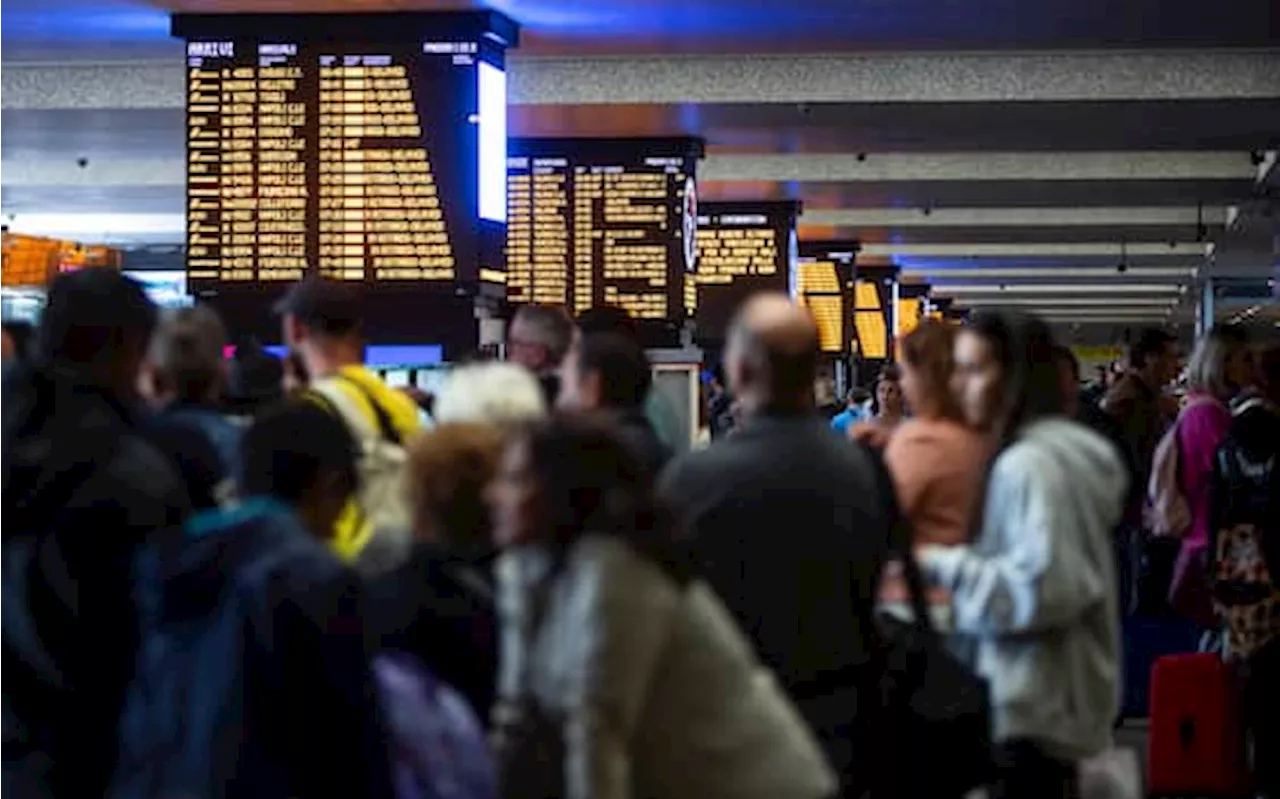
602, 222
742, 248
875, 311
361, 147
823, 283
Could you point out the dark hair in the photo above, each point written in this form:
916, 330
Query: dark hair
607, 319
1266, 366
1024, 347
1063, 356
1032, 388
90, 314
22, 334
592, 482
290, 446
1151, 343
930, 351
624, 369
255, 376
187, 353
889, 373
332, 307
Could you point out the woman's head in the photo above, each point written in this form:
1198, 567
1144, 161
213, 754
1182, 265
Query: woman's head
567, 476
888, 396
1005, 372
502, 394
449, 470
928, 361
1219, 365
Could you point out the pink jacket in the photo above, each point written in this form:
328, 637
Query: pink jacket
1202, 427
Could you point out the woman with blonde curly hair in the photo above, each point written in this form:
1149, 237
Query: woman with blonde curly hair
439, 605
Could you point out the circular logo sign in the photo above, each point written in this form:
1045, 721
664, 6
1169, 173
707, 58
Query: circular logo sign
690, 225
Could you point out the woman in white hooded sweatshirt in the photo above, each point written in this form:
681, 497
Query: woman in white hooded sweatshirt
1036, 590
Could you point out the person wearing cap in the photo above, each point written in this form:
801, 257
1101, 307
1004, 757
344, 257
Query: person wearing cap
323, 324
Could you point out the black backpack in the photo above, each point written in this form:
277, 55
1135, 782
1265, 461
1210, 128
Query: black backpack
189, 722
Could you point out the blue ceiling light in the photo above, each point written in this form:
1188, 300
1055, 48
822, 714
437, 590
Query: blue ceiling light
55, 21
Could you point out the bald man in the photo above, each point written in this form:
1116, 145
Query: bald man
788, 526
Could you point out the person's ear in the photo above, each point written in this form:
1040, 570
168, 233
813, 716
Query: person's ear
294, 332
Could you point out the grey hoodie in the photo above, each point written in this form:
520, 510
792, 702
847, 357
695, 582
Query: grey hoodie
1037, 589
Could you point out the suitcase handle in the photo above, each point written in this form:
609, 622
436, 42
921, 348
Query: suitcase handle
1187, 731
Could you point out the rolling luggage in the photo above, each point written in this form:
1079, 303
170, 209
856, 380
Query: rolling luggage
1196, 745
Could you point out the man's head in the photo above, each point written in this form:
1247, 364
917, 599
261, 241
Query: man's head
1154, 354
322, 322
1069, 377
605, 371
539, 338
304, 456
771, 358
98, 322
185, 357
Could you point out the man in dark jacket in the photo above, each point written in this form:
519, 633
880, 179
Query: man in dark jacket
1135, 409
610, 373
788, 524
83, 489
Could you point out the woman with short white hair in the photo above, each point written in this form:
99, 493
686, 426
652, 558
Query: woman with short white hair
495, 393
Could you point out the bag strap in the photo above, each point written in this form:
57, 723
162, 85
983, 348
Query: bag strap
900, 542
386, 428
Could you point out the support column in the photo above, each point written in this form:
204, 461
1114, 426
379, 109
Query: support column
1204, 308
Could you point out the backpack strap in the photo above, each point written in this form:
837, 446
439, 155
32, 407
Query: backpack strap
900, 542
339, 402
386, 428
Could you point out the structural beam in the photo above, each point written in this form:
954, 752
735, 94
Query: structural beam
837, 78
1036, 250
803, 167
1013, 217
969, 167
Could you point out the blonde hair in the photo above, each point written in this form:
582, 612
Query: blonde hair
1207, 370
503, 394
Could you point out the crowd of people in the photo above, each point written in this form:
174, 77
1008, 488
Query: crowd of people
288, 579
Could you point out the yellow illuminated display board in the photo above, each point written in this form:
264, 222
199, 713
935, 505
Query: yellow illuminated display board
344, 145
600, 221
818, 289
909, 311
743, 248
868, 318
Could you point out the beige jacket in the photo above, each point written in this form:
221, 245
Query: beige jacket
659, 692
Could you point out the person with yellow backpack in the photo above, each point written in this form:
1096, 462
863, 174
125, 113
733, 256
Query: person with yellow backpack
323, 323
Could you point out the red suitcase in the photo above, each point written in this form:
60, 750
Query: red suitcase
1196, 745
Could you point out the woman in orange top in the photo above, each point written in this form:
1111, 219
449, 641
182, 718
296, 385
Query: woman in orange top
935, 459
